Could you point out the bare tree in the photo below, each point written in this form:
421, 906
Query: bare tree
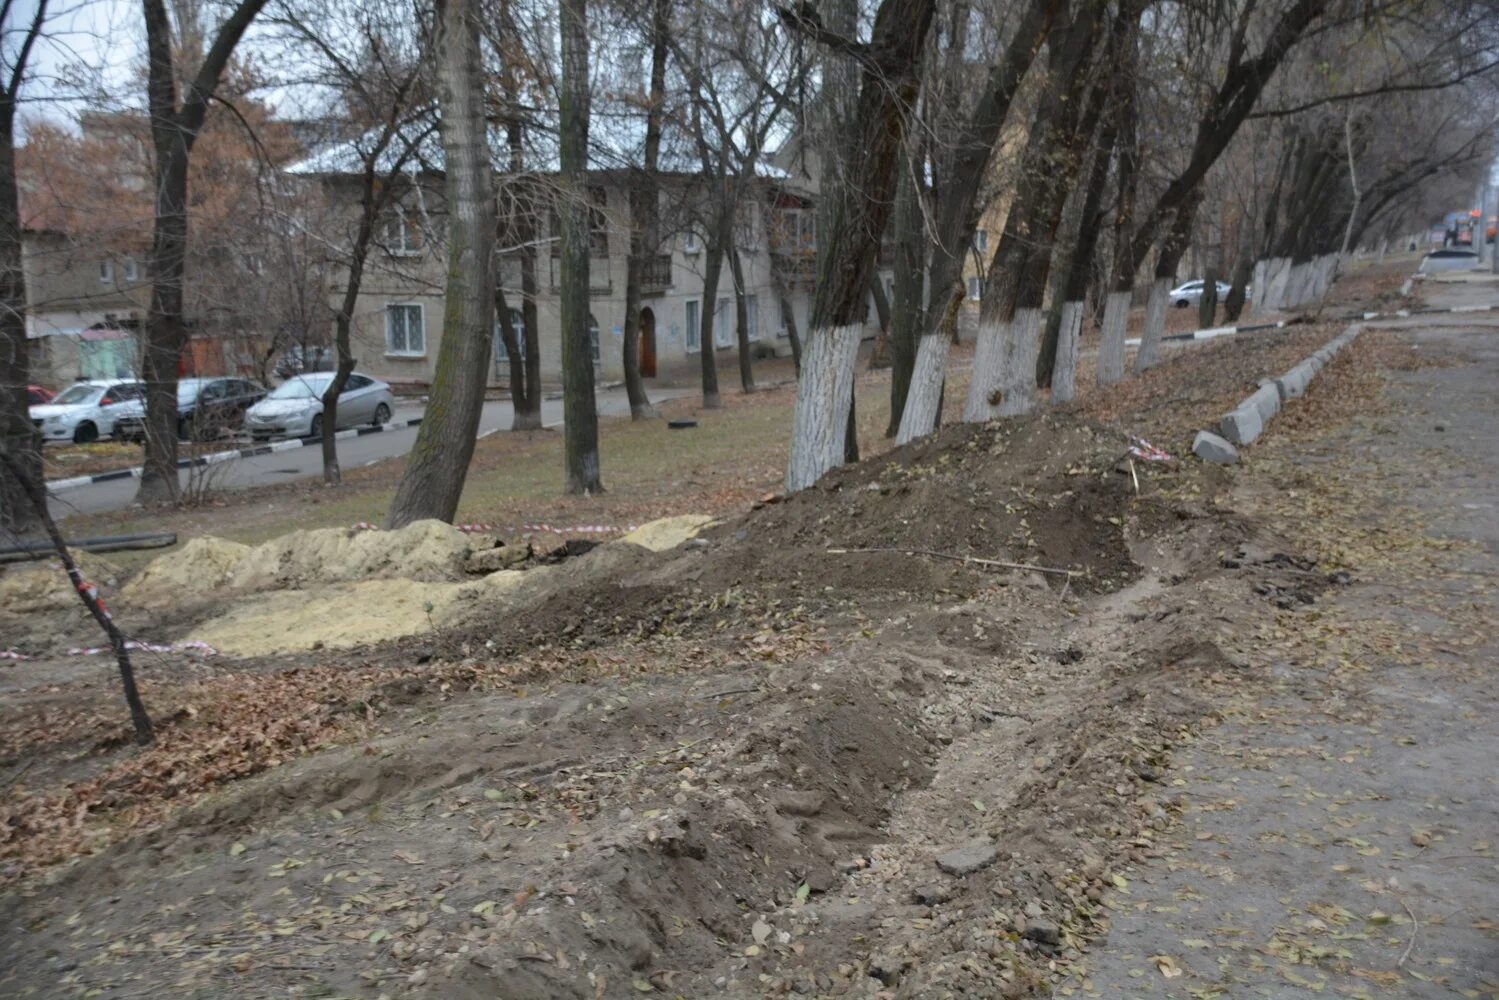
432, 482
379, 86
579, 408
20, 444
645, 208
889, 77
176, 119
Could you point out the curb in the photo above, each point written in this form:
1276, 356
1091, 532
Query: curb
1244, 424
290, 444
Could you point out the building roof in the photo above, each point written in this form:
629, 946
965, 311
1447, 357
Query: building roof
616, 142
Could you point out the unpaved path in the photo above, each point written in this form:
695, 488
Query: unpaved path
1340, 835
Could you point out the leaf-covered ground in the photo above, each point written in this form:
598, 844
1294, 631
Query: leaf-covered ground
729, 770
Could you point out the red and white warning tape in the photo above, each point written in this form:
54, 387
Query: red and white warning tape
190, 646
481, 529
1147, 452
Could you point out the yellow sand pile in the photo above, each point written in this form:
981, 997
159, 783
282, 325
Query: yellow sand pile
425, 550
320, 589
202, 565
348, 614
668, 532
29, 588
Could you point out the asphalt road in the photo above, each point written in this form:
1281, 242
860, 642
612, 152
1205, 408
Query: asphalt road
353, 453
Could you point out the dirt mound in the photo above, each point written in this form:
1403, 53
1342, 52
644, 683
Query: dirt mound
204, 564
424, 550
41, 587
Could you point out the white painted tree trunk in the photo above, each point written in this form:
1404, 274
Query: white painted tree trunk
1258, 283
1111, 346
1017, 364
822, 400
1064, 371
924, 397
1277, 270
985, 378
1149, 354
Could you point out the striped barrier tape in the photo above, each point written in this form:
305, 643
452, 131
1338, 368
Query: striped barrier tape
1147, 452
190, 646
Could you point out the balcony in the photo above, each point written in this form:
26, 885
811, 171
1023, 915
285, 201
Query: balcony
656, 275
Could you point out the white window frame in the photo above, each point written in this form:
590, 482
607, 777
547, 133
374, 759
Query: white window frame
723, 333
981, 240
517, 320
752, 315
975, 288
132, 270
693, 338
106, 272
403, 247
421, 321
595, 345
690, 242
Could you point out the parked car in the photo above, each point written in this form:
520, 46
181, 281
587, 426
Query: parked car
86, 411
36, 395
295, 407
1190, 294
206, 407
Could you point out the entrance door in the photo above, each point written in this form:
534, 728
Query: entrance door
647, 343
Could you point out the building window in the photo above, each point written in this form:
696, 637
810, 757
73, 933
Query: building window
593, 339
106, 272
690, 242
723, 330
598, 222
787, 318
405, 335
132, 271
975, 289
694, 326
981, 240
518, 324
403, 237
752, 315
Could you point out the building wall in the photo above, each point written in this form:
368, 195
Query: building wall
417, 280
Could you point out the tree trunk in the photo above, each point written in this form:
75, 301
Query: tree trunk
437, 465
332, 474
1160, 291
856, 214
1207, 306
1005, 361
964, 168
174, 129
645, 210
1111, 339
788, 310
579, 408
523, 210
741, 323
712, 270
1064, 367
1233, 304
881, 355
908, 314
20, 443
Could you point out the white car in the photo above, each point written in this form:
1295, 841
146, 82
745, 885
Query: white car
86, 411
1191, 293
295, 407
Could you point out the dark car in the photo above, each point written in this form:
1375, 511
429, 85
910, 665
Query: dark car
36, 395
206, 407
